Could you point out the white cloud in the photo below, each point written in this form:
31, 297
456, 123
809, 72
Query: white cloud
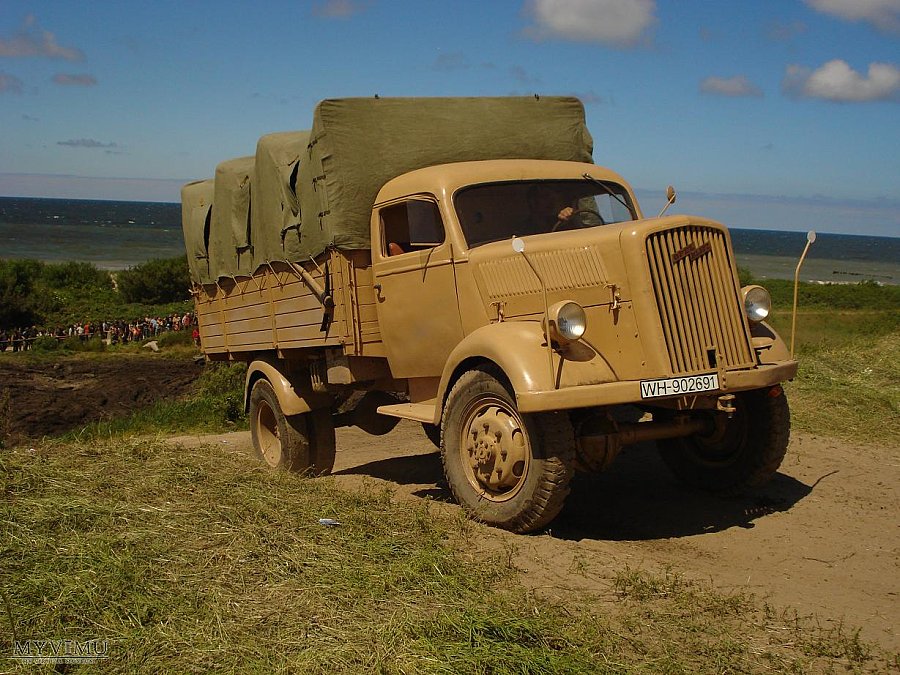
10, 84
884, 14
620, 23
736, 87
78, 80
837, 81
31, 41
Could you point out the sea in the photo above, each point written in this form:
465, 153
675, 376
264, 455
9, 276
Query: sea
116, 235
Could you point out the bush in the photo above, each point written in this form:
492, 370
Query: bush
864, 295
175, 337
223, 386
17, 298
45, 343
79, 275
156, 282
77, 344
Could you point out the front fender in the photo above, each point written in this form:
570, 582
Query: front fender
768, 344
518, 348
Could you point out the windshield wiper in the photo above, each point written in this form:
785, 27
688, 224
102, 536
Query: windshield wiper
608, 191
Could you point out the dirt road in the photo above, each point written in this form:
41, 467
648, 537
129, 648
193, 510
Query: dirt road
822, 537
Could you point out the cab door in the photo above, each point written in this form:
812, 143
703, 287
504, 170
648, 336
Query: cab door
415, 287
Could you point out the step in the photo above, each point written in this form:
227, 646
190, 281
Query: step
420, 412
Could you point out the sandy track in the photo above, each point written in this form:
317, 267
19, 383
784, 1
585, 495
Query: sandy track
822, 537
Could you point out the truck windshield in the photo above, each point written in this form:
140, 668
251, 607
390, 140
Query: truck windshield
497, 211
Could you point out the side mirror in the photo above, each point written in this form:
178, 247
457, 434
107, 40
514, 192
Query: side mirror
670, 199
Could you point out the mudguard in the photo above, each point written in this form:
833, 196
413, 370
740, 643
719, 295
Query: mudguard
293, 400
519, 349
769, 346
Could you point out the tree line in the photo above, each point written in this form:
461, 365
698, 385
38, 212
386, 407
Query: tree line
35, 293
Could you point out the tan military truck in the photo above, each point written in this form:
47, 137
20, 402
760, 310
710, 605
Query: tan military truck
462, 263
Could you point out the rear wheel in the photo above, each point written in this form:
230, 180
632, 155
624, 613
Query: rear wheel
505, 468
294, 442
739, 452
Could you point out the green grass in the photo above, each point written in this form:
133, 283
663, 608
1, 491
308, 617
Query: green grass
199, 560
848, 385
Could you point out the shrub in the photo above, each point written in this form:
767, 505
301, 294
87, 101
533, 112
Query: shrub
156, 281
45, 343
221, 388
77, 344
175, 337
79, 275
17, 301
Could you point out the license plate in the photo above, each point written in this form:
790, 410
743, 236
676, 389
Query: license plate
679, 386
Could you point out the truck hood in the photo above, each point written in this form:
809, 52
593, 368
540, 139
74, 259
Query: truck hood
593, 266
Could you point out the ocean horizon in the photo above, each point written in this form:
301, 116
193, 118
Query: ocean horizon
117, 235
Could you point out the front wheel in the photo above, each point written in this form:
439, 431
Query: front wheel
739, 452
505, 468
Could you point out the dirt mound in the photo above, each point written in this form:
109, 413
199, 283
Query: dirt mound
46, 399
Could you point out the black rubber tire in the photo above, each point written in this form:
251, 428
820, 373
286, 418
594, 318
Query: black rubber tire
433, 432
549, 443
743, 453
279, 441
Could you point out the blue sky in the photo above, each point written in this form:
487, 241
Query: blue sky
773, 114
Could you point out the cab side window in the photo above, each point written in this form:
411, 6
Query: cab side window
411, 226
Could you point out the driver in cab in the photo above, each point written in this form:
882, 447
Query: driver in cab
548, 210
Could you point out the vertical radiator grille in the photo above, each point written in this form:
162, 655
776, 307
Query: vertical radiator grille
699, 307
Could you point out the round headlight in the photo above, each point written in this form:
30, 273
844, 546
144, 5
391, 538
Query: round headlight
567, 321
757, 303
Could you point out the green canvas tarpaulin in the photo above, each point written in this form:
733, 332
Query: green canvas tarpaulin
230, 250
354, 147
357, 145
275, 208
196, 207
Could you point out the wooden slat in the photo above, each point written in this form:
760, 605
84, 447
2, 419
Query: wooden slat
250, 337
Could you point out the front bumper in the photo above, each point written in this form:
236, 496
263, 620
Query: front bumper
617, 393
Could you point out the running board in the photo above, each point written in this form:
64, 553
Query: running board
420, 412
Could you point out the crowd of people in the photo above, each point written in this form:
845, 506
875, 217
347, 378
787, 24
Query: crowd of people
113, 332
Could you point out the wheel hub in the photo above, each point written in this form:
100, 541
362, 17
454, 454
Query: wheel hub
496, 451
268, 435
